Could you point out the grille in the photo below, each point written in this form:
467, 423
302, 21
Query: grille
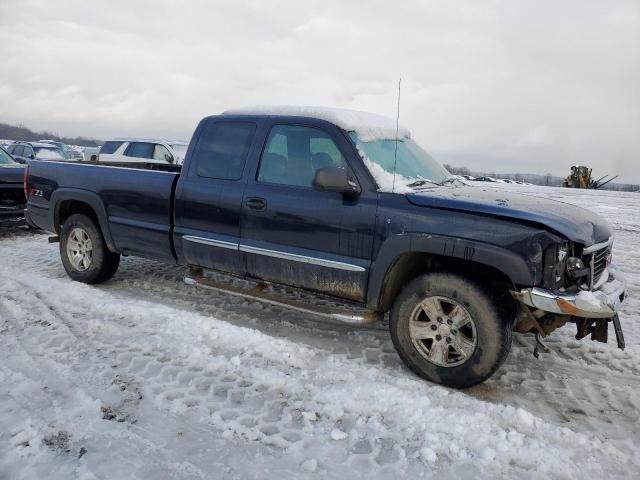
599, 258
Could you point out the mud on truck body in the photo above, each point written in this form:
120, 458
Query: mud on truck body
342, 214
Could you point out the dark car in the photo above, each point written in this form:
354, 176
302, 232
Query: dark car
349, 214
12, 198
23, 152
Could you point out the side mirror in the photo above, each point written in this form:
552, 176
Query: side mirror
336, 179
32, 156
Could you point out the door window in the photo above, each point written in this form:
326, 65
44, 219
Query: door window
161, 153
18, 151
293, 154
222, 149
140, 150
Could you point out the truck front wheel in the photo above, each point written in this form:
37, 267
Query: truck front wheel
84, 253
448, 330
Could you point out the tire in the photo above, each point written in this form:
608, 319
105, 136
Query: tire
81, 234
431, 345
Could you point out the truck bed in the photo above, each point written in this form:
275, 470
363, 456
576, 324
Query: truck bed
136, 204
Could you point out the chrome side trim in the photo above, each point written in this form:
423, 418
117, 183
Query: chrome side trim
211, 242
597, 246
302, 258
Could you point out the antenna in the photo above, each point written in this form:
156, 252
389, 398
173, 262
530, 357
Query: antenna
395, 153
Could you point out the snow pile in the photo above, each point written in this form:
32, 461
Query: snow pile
368, 126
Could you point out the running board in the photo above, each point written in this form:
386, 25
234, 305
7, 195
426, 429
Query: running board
282, 296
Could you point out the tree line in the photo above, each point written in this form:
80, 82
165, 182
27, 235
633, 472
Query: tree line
22, 133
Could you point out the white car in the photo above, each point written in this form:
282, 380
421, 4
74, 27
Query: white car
136, 150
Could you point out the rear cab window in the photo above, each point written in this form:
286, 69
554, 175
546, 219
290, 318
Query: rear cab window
44, 153
222, 149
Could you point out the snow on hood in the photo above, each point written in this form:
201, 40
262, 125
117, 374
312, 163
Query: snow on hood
575, 223
368, 126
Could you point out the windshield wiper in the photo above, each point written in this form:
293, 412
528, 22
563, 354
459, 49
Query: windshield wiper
421, 182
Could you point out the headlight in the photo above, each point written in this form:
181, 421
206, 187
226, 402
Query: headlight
575, 268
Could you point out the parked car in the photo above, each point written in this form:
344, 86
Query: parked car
23, 152
71, 152
486, 179
353, 216
133, 150
12, 197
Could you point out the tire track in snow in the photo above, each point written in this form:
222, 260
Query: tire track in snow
357, 435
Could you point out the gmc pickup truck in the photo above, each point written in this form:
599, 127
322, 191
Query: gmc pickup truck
342, 214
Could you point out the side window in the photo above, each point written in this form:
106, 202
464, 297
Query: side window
110, 147
294, 153
161, 153
18, 150
222, 149
11, 149
139, 150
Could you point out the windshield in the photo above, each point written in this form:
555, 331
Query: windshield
180, 149
413, 166
44, 153
5, 158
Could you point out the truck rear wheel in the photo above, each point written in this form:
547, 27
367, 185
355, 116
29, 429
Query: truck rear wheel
448, 330
84, 253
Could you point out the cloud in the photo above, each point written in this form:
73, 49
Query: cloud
529, 86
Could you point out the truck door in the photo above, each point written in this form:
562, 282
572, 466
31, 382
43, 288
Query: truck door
209, 196
295, 235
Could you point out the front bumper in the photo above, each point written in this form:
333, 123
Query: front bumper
601, 303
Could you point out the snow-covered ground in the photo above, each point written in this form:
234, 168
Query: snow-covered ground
145, 377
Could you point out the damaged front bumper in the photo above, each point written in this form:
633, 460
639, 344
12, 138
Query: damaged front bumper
601, 303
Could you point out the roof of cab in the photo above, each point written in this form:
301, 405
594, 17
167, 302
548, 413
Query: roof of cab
368, 126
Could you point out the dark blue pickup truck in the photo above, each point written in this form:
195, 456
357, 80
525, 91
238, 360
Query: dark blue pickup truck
341, 213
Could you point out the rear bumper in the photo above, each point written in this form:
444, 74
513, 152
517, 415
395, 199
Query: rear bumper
12, 215
601, 303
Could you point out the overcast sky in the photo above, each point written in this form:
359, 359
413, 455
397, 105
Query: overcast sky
504, 86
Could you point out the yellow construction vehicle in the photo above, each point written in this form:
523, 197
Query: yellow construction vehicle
580, 177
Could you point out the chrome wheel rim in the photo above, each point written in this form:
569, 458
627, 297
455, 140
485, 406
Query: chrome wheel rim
443, 331
79, 249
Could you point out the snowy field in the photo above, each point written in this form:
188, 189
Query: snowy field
144, 377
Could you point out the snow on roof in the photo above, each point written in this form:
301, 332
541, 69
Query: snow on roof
368, 126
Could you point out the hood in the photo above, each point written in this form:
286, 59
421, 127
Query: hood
575, 223
11, 173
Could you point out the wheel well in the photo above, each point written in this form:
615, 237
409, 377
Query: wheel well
66, 208
411, 265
